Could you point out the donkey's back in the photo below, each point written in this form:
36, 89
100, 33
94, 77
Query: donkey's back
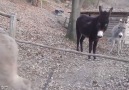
83, 21
83, 25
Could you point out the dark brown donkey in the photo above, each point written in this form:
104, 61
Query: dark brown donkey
93, 28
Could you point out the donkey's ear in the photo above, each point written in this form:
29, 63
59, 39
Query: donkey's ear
110, 11
100, 9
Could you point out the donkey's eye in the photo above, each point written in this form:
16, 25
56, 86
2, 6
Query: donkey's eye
106, 25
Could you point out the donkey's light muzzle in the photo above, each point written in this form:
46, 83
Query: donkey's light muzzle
120, 34
100, 34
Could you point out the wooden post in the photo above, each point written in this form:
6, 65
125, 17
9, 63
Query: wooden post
41, 3
127, 32
65, 21
4, 14
12, 25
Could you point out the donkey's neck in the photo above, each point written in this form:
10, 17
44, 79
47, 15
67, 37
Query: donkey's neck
95, 22
96, 19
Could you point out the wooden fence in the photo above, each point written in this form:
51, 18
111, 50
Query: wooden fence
12, 34
12, 23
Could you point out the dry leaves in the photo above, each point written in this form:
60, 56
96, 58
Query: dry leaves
72, 71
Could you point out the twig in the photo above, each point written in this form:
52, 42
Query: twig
4, 14
97, 3
49, 79
7, 15
73, 51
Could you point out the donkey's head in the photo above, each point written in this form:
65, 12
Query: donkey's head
103, 21
121, 28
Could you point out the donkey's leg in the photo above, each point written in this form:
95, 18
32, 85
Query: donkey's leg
113, 44
122, 45
94, 47
119, 47
78, 39
90, 47
81, 42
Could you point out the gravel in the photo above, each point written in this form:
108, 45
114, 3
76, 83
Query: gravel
49, 69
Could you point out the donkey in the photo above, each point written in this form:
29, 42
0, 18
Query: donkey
92, 28
8, 64
118, 36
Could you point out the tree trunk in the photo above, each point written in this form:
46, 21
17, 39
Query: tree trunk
35, 2
97, 4
76, 6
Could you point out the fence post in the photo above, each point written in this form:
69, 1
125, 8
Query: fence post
12, 25
41, 3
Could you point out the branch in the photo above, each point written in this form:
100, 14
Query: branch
4, 14
7, 15
49, 79
81, 3
97, 3
76, 52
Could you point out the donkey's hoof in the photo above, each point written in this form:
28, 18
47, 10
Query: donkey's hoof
94, 59
89, 59
119, 54
109, 52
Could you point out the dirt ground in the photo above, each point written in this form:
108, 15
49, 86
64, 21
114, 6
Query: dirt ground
49, 69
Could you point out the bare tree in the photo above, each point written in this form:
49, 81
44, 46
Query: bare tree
76, 8
35, 2
97, 3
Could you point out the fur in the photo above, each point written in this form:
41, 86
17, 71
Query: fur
8, 64
92, 28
